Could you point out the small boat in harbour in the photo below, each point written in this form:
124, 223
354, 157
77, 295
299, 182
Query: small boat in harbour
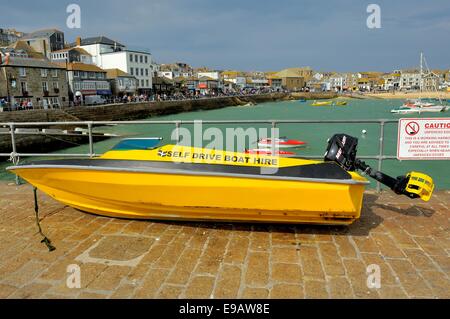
281, 142
321, 103
268, 151
419, 110
139, 179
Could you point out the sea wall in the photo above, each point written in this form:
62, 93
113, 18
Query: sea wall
314, 95
134, 111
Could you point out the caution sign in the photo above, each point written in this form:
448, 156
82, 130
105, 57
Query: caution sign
422, 139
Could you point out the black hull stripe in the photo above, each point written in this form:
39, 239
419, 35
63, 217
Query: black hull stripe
326, 171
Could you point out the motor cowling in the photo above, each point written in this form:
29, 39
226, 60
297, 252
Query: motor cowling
342, 150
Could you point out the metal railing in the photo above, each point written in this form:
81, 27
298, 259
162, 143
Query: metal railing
14, 155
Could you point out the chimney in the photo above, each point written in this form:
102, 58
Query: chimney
78, 41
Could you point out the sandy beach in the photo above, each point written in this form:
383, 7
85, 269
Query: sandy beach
410, 95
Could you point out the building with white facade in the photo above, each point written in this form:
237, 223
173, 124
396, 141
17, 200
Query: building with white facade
110, 54
410, 80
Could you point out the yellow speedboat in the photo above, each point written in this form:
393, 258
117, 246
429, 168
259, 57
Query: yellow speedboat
136, 179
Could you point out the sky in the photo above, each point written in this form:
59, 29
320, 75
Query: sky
327, 35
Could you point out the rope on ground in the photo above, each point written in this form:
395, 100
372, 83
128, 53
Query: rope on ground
45, 240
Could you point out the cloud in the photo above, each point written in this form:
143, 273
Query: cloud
255, 34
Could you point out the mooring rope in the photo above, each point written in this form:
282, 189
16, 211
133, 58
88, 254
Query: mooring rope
45, 240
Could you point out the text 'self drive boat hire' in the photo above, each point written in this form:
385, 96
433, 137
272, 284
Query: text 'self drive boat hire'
136, 179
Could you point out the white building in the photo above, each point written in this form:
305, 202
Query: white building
410, 80
167, 74
338, 82
109, 54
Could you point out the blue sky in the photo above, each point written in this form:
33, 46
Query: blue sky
257, 35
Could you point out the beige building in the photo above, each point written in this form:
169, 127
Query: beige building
31, 79
121, 82
293, 79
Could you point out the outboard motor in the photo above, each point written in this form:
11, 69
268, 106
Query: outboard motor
342, 150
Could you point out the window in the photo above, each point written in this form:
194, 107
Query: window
142, 72
44, 86
76, 74
142, 82
44, 73
55, 73
22, 72
136, 58
141, 59
147, 83
131, 71
131, 58
55, 85
146, 72
92, 75
146, 59
54, 101
137, 71
24, 86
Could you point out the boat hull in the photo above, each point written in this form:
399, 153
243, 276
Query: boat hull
184, 196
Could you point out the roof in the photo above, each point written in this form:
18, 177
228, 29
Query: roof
80, 50
44, 33
206, 78
78, 66
22, 45
292, 72
97, 40
32, 63
116, 73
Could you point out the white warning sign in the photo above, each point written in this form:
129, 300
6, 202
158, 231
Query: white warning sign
424, 139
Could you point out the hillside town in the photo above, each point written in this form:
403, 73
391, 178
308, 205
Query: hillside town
43, 70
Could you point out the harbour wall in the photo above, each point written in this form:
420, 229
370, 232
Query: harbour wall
141, 110
135, 111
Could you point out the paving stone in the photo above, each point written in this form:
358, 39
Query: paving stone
200, 287
286, 273
286, 291
228, 282
255, 293
121, 258
257, 273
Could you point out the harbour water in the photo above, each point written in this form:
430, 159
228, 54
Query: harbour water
315, 135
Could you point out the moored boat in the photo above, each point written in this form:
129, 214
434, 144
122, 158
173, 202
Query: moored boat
280, 143
321, 103
419, 110
268, 151
171, 182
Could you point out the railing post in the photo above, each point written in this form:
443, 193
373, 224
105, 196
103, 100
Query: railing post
274, 126
380, 155
177, 131
14, 159
91, 140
